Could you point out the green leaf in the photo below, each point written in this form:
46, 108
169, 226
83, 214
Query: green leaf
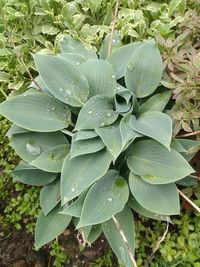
154, 124
29, 145
151, 161
49, 227
104, 199
69, 44
127, 133
100, 76
155, 103
94, 233
27, 174
14, 129
50, 196
126, 222
161, 199
116, 43
133, 204
75, 208
82, 147
52, 159
76, 59
120, 57
97, 112
123, 100
144, 70
81, 172
36, 112
176, 5
111, 137
62, 79
86, 134
188, 181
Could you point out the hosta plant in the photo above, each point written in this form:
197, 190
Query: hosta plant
93, 131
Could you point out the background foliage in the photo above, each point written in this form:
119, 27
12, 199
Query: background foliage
30, 26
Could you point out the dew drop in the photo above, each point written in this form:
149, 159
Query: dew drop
68, 92
61, 89
53, 108
96, 113
32, 148
113, 76
109, 114
130, 67
110, 199
24, 94
102, 124
90, 112
114, 41
77, 63
73, 189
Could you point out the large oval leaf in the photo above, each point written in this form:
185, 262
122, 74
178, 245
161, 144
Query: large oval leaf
161, 199
52, 159
111, 137
86, 134
155, 164
120, 57
82, 147
97, 112
144, 70
62, 79
104, 199
134, 205
49, 227
126, 222
50, 196
36, 112
76, 59
81, 172
154, 124
100, 76
116, 43
69, 44
155, 103
30, 145
27, 174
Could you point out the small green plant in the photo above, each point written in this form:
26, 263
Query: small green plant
88, 127
105, 260
57, 251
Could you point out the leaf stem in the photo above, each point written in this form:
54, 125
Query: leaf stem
67, 132
125, 241
189, 201
189, 134
113, 27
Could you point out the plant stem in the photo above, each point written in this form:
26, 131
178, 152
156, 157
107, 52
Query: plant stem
125, 241
67, 132
194, 176
189, 134
113, 27
189, 201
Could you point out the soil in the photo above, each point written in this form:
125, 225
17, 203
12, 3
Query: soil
16, 250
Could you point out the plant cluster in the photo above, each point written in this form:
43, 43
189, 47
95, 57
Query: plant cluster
86, 128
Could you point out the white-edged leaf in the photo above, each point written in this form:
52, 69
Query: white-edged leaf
126, 222
74, 58
52, 159
81, 172
97, 112
36, 112
155, 164
104, 199
49, 227
100, 76
144, 70
85, 134
62, 79
50, 196
162, 199
154, 124
27, 174
111, 137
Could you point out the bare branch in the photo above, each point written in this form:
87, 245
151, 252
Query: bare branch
113, 27
189, 134
189, 201
123, 237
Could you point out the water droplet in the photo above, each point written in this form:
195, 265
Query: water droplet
68, 92
77, 63
61, 89
48, 109
90, 112
53, 108
110, 199
114, 41
73, 189
109, 114
32, 148
102, 124
24, 94
113, 76
96, 113
130, 67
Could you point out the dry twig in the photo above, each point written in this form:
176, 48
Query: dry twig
189, 134
189, 201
